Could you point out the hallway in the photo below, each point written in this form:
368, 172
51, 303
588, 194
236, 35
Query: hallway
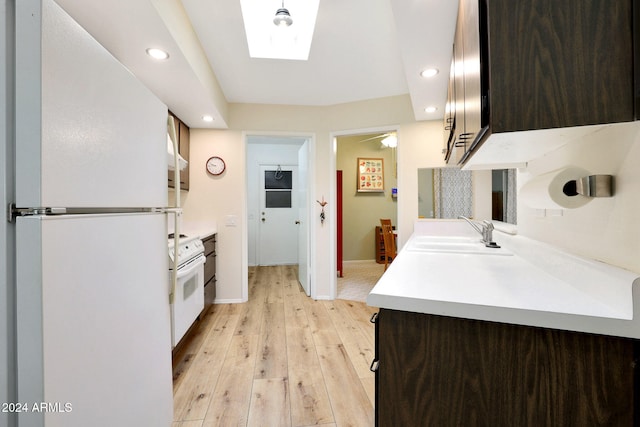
281, 359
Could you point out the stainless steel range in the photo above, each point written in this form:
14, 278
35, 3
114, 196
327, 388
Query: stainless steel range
188, 296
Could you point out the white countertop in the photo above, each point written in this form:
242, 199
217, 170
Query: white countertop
199, 229
537, 285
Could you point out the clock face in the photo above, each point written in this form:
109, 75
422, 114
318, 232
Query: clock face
215, 165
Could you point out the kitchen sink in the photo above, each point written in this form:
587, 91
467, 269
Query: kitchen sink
453, 245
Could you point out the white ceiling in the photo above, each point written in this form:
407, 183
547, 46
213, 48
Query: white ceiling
361, 49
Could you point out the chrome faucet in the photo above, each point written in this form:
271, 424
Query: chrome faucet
485, 228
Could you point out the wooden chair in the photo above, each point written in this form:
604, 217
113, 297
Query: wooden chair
389, 239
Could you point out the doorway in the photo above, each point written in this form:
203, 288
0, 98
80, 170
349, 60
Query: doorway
362, 209
277, 203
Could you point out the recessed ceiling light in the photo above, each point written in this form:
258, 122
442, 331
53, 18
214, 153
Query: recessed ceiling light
429, 72
430, 109
156, 53
207, 118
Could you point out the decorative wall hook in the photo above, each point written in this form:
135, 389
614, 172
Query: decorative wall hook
323, 204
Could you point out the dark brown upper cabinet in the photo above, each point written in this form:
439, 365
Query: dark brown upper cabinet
540, 64
183, 148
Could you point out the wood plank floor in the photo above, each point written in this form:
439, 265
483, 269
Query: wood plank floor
281, 359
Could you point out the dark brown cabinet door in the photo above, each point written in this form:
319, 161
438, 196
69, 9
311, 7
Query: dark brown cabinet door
210, 268
560, 63
210, 253
450, 113
443, 371
184, 152
471, 64
458, 91
542, 64
182, 131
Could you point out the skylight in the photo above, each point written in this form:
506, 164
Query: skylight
267, 40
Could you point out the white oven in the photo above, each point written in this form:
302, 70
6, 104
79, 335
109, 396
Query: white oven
188, 296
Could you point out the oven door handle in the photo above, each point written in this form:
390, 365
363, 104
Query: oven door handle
191, 266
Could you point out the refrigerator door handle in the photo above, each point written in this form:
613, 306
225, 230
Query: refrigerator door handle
13, 212
170, 210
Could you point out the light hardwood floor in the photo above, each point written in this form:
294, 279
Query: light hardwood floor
281, 359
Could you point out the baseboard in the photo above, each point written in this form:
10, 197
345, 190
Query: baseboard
354, 261
228, 301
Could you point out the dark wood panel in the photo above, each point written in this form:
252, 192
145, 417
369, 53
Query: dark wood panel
560, 63
379, 245
183, 134
441, 371
209, 245
210, 266
185, 144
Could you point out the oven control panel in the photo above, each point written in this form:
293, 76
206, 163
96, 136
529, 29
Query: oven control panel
188, 248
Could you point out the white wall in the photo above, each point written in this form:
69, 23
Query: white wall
482, 194
214, 198
220, 199
420, 145
605, 229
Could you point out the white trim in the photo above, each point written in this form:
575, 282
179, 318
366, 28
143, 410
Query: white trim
311, 190
229, 301
355, 261
333, 196
244, 223
363, 131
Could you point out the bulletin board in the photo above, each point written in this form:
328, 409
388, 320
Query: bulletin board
370, 175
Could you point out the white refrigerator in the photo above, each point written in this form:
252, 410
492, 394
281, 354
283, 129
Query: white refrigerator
92, 325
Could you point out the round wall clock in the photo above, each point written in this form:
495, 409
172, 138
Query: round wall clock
215, 165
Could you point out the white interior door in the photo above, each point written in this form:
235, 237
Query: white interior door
279, 209
303, 222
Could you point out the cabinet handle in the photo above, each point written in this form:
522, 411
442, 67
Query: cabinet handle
374, 318
375, 364
466, 135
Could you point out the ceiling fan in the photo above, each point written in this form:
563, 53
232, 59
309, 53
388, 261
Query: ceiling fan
388, 139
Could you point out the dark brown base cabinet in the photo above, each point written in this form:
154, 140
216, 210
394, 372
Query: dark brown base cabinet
444, 371
210, 268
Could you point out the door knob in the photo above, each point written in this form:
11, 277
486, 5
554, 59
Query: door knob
298, 222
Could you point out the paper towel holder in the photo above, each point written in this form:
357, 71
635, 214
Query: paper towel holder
590, 186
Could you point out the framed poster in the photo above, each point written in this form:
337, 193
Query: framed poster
370, 175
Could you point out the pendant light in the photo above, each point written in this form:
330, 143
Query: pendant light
282, 18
